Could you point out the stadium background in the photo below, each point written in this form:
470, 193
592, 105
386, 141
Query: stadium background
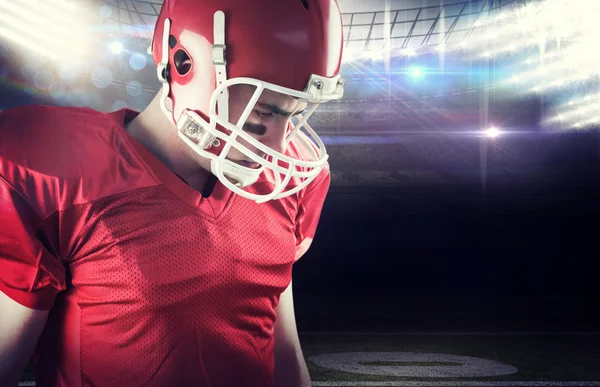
465, 154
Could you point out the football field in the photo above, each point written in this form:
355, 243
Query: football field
453, 359
448, 359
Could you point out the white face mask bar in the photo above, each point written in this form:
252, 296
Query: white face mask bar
301, 169
192, 129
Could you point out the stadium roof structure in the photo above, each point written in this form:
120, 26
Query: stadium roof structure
411, 23
439, 50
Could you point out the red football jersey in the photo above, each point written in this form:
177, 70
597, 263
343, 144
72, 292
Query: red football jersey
148, 282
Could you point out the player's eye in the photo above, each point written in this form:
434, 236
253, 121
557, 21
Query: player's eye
260, 114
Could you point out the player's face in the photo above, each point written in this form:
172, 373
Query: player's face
268, 122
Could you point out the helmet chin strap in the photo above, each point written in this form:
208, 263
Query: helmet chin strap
161, 71
242, 176
218, 52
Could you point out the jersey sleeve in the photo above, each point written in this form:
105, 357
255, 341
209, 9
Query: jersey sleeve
309, 211
29, 273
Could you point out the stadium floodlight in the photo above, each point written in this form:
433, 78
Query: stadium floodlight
116, 47
42, 28
416, 72
492, 132
18, 39
374, 55
411, 51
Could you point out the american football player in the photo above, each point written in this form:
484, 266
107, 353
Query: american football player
156, 248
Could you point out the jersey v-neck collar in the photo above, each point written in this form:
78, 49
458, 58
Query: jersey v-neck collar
213, 206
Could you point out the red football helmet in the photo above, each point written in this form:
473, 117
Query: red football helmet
292, 47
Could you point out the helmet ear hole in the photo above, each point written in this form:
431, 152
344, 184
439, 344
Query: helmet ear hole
182, 61
305, 3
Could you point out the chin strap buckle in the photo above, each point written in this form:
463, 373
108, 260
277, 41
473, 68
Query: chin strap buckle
325, 89
190, 124
218, 53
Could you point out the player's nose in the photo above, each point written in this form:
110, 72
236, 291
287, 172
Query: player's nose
275, 137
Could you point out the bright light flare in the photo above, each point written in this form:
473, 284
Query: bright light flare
44, 27
375, 55
116, 47
411, 51
416, 72
492, 132
579, 113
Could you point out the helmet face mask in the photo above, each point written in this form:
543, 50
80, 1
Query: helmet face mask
194, 65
